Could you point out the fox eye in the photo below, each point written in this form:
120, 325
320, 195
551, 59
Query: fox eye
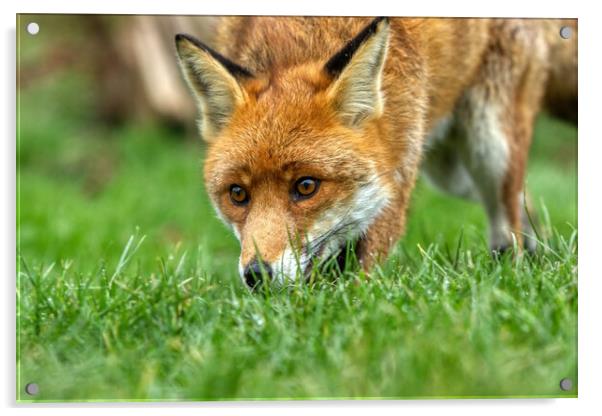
305, 187
238, 195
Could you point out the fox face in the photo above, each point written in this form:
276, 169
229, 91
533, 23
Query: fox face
292, 154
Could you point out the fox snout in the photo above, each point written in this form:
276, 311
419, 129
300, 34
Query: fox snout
264, 241
269, 256
292, 264
254, 273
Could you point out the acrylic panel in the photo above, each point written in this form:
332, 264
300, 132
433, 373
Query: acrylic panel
295, 208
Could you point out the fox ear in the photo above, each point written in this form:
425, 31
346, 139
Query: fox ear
214, 82
357, 71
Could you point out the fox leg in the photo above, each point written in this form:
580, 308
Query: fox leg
486, 152
445, 167
480, 160
497, 119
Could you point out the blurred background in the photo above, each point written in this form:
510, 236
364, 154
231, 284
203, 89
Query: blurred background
107, 143
128, 59
107, 148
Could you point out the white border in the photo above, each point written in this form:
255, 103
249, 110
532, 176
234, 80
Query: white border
589, 202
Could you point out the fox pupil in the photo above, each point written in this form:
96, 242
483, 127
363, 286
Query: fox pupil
238, 195
306, 186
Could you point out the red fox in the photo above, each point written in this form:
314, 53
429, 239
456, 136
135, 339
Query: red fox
317, 127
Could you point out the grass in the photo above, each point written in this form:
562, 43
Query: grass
128, 289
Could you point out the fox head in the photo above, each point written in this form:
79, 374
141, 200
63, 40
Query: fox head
292, 160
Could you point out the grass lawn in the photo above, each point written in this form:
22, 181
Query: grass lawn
128, 287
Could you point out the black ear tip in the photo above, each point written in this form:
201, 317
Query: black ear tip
381, 21
338, 61
233, 68
182, 36
185, 37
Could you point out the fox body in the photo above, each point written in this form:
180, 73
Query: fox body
317, 127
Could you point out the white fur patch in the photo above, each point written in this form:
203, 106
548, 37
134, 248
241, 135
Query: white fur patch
290, 267
488, 145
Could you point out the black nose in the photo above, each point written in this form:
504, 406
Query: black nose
255, 271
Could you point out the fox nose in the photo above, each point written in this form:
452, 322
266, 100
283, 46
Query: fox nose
254, 273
